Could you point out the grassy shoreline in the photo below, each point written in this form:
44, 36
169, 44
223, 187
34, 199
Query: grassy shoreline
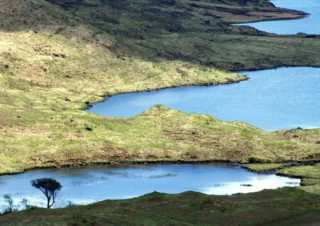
275, 208
164, 135
273, 167
241, 78
286, 206
75, 55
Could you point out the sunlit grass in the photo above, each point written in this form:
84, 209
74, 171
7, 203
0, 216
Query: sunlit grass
57, 61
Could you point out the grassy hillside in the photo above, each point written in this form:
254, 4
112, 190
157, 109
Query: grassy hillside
288, 206
68, 137
153, 30
69, 54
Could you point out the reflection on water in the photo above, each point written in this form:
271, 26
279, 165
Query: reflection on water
274, 99
308, 25
82, 186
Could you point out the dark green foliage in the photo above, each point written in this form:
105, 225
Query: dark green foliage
49, 187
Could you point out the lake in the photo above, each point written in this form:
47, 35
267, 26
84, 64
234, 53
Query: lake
270, 99
88, 185
274, 99
309, 25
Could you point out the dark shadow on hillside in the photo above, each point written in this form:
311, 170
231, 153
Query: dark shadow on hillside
191, 31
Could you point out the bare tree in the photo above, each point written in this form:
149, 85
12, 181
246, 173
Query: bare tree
49, 187
8, 199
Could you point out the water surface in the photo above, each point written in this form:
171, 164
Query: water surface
87, 185
271, 99
309, 25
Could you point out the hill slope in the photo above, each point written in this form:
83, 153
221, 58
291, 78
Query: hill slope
289, 206
69, 54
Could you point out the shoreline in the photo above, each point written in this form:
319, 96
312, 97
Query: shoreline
166, 162
285, 165
149, 162
89, 105
301, 15
101, 98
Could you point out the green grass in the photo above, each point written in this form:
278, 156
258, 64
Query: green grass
265, 166
287, 206
303, 171
66, 56
310, 177
60, 138
191, 32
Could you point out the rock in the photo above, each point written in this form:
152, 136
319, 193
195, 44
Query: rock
61, 55
88, 128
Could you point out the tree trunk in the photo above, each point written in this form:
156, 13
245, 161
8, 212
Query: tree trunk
48, 203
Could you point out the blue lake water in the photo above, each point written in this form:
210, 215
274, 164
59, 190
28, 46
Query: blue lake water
309, 25
271, 99
82, 186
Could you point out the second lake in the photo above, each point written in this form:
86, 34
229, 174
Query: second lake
273, 99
